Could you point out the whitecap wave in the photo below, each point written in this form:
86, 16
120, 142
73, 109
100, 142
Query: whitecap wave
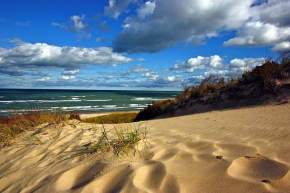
98, 100
138, 105
40, 101
147, 99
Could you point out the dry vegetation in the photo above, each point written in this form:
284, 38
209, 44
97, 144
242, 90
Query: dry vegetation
122, 140
113, 118
263, 84
11, 126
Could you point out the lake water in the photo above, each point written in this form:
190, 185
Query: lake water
14, 101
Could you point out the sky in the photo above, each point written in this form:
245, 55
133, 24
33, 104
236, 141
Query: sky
136, 44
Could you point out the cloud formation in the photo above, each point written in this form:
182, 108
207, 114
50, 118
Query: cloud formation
201, 67
200, 62
171, 21
69, 74
117, 7
269, 25
28, 55
159, 24
76, 24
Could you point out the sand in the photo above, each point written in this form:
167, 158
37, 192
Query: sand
233, 151
91, 115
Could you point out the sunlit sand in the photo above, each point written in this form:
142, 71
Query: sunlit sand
243, 150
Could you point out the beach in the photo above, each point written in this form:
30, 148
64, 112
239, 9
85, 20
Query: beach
240, 150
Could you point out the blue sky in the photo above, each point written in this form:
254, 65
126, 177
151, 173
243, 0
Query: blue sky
136, 44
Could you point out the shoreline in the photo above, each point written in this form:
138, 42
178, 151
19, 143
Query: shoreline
98, 114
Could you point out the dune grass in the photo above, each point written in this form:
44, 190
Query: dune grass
251, 88
120, 141
113, 118
12, 126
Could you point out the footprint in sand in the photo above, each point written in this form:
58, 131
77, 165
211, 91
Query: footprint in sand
149, 176
78, 176
152, 177
257, 169
164, 154
113, 181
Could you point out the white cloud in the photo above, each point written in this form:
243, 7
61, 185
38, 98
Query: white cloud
71, 72
116, 7
139, 69
151, 75
282, 47
45, 78
147, 9
173, 21
239, 65
26, 55
269, 25
66, 77
216, 61
201, 62
201, 66
258, 33
78, 22
171, 78
273, 11
162, 23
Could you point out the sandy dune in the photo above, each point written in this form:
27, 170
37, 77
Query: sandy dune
234, 151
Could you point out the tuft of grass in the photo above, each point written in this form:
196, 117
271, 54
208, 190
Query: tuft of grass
113, 118
121, 141
12, 126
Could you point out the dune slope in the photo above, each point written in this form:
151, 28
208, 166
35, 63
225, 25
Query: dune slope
242, 150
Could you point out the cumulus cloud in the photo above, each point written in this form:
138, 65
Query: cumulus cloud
269, 25
69, 74
159, 24
200, 67
28, 55
274, 12
147, 9
238, 65
45, 78
117, 7
139, 69
144, 72
258, 33
200, 62
170, 21
282, 47
76, 24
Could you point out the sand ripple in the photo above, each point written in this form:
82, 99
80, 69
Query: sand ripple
237, 151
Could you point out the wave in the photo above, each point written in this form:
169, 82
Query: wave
54, 101
138, 105
147, 99
98, 100
109, 106
41, 101
88, 108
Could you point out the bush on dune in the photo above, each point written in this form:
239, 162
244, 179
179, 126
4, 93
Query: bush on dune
252, 87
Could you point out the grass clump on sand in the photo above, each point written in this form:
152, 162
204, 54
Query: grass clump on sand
113, 118
119, 141
12, 126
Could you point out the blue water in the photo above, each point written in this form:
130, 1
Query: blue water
15, 101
